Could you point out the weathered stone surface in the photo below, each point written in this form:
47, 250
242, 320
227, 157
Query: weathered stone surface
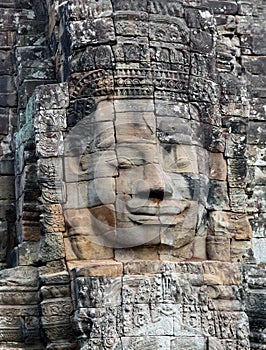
256, 135
7, 190
259, 248
94, 269
192, 342
240, 250
230, 224
83, 248
19, 276
218, 248
28, 253
147, 159
217, 166
92, 31
237, 199
93, 193
179, 159
221, 273
136, 253
51, 247
218, 195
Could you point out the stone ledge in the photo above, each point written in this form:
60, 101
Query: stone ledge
94, 268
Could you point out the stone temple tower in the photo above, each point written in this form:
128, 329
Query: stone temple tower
132, 174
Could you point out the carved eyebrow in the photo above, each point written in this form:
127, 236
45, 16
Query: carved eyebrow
125, 163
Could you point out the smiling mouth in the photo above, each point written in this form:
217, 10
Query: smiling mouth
160, 213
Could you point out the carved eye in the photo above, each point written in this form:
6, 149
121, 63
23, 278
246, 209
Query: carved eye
125, 163
182, 163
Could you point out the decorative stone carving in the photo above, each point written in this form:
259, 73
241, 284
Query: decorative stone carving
138, 157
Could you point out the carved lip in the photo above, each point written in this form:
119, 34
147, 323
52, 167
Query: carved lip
158, 213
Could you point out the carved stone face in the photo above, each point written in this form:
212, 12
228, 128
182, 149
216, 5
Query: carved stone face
134, 176
143, 112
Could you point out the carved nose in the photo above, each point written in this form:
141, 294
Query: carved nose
155, 183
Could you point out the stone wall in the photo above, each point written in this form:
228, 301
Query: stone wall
60, 61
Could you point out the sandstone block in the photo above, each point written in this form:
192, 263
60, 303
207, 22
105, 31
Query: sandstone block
50, 120
174, 130
218, 195
134, 105
135, 253
258, 227
236, 124
230, 224
179, 158
92, 31
166, 109
237, 172
57, 307
90, 194
7, 84
82, 247
202, 42
3, 240
7, 187
52, 96
256, 134
223, 7
53, 292
27, 88
183, 232
245, 8
136, 127
130, 155
52, 267
235, 146
142, 342
190, 186
57, 278
50, 144
57, 333
199, 251
259, 246
19, 276
259, 198
175, 30
39, 57
107, 268
240, 250
256, 155
237, 200
4, 121
217, 166
28, 253
125, 23
80, 11
257, 109
142, 267
97, 165
221, 273
18, 295
6, 166
6, 65
257, 303
51, 247
218, 248
192, 342
98, 291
